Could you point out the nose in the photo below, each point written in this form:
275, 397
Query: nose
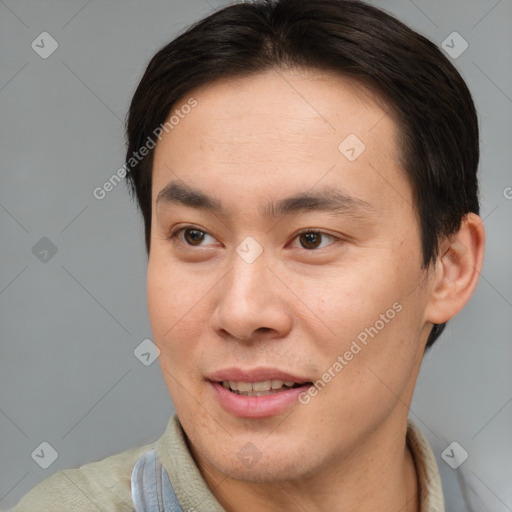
252, 303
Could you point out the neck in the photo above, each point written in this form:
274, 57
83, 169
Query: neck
378, 475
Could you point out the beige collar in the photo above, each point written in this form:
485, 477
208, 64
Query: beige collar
429, 481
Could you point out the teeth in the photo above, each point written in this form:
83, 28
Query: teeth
244, 386
276, 384
256, 393
262, 386
257, 388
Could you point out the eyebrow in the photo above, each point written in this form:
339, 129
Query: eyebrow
326, 199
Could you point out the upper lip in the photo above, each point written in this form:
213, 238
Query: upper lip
255, 375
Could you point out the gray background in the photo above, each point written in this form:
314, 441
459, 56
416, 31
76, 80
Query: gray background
69, 325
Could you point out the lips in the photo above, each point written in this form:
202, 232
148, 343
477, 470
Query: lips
257, 393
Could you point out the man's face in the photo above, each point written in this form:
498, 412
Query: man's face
258, 287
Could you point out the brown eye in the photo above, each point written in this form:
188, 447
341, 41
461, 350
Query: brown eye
310, 240
193, 236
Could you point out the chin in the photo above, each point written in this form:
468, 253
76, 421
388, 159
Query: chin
258, 458
269, 469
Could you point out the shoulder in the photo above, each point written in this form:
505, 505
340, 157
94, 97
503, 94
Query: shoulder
100, 486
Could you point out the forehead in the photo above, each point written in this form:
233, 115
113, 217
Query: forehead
283, 130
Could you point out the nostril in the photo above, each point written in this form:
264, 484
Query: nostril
263, 329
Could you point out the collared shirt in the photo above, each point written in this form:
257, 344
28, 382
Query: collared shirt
105, 485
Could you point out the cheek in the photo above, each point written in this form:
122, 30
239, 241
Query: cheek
176, 312
374, 315
353, 297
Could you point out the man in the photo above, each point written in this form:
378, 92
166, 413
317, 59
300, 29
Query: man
307, 176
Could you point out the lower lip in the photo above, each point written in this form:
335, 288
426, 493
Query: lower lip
257, 406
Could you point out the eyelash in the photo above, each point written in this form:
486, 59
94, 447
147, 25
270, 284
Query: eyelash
174, 235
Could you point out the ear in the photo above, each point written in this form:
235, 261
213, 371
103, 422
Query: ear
457, 270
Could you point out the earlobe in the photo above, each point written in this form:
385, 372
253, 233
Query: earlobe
457, 270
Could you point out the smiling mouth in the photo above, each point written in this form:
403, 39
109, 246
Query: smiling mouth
263, 388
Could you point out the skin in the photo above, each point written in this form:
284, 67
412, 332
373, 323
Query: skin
259, 139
